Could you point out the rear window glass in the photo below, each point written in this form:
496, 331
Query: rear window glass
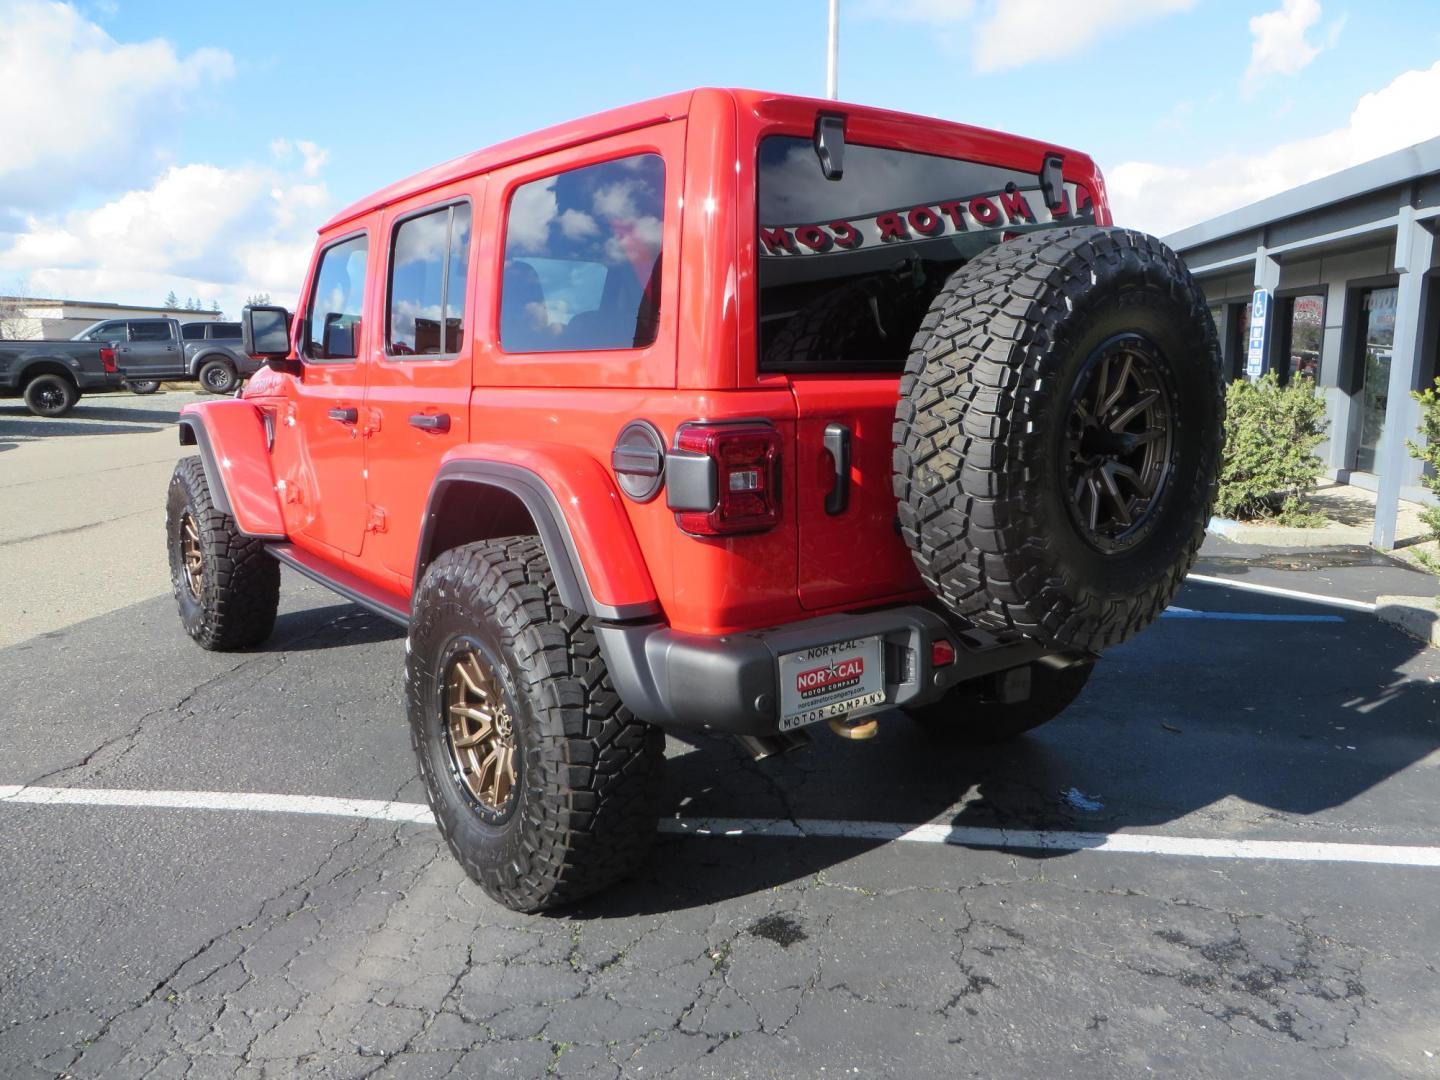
427, 282
225, 330
848, 267
582, 258
150, 330
193, 331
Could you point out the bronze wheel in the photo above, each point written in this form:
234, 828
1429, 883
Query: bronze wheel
480, 733
190, 555
1118, 442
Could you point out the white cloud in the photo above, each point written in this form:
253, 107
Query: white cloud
1013, 33
202, 230
1280, 45
83, 111
1162, 198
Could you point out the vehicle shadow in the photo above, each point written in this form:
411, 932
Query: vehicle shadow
331, 627
1191, 713
18, 424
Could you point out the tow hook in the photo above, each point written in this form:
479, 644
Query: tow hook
850, 727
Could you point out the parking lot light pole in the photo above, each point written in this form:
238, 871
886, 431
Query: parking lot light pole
832, 67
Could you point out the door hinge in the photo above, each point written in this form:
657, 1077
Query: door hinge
376, 521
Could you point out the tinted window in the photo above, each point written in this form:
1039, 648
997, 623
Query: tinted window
150, 330
332, 326
427, 282
193, 331
847, 268
109, 331
225, 330
582, 258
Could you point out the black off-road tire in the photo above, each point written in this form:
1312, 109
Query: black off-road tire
143, 386
981, 435
972, 714
51, 395
584, 806
240, 589
218, 377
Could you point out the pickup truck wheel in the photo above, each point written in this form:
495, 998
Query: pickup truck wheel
226, 584
543, 784
51, 395
1058, 436
218, 377
977, 714
144, 386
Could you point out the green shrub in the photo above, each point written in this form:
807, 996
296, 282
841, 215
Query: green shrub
1271, 432
1430, 453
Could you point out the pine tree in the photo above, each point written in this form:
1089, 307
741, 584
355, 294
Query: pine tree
171, 300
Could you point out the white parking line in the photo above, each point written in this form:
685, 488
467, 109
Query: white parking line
803, 828
1275, 590
1246, 616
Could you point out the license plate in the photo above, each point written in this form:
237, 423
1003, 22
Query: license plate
830, 680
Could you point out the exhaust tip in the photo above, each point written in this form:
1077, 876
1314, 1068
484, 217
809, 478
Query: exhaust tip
760, 747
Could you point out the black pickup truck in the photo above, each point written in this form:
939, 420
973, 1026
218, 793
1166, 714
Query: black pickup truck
51, 375
150, 351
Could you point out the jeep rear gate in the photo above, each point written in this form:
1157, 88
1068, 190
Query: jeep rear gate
847, 269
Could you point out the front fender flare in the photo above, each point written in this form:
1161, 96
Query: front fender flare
597, 563
231, 438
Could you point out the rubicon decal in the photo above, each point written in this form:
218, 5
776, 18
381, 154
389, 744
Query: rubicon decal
838, 675
1009, 210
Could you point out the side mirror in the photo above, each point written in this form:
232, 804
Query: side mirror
265, 335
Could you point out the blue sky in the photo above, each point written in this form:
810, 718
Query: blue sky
203, 143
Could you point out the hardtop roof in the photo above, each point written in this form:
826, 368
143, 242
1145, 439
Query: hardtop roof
613, 122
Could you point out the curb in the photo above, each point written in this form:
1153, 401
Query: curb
1418, 616
1239, 532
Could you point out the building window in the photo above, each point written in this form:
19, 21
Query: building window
1378, 345
1304, 331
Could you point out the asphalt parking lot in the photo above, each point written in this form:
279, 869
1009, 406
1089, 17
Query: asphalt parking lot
1088, 901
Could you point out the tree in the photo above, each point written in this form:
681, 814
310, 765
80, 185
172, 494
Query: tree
13, 319
171, 300
215, 307
259, 299
189, 303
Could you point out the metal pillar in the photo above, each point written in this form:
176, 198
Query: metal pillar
832, 67
1414, 246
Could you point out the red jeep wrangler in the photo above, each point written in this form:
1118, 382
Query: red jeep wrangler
727, 411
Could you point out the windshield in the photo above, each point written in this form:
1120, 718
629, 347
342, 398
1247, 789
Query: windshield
847, 268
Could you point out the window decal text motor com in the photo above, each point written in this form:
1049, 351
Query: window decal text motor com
1010, 210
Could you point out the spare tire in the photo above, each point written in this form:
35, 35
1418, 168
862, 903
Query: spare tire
1058, 436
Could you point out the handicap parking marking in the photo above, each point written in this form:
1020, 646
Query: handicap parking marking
768, 828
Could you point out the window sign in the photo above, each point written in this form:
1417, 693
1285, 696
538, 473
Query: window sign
1255, 355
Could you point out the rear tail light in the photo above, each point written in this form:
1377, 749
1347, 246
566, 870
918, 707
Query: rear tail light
107, 359
724, 479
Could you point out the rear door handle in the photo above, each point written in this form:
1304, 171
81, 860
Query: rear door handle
837, 441
437, 422
345, 416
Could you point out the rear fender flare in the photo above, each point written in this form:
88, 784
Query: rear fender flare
230, 436
611, 584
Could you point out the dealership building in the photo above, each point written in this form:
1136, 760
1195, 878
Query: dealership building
1338, 279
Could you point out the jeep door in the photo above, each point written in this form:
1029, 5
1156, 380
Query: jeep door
418, 391
319, 459
151, 350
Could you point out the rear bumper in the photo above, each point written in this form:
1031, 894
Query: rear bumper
729, 683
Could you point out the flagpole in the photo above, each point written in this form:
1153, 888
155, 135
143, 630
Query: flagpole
832, 69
